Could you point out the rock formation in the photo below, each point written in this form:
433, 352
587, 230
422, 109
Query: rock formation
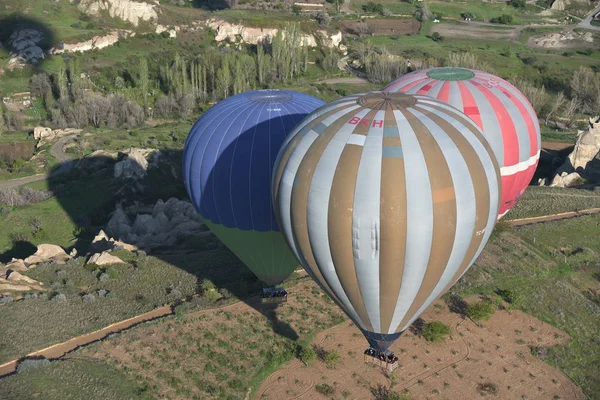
171, 31
162, 227
127, 10
227, 31
104, 258
585, 157
46, 135
134, 163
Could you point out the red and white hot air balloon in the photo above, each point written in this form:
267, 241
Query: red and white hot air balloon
504, 114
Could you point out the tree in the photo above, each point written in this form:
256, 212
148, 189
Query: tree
536, 95
518, 3
143, 80
307, 355
467, 16
323, 18
571, 109
330, 61
422, 13
436, 37
372, 7
2, 124
296, 9
224, 80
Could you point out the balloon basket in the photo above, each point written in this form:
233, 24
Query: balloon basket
381, 361
273, 296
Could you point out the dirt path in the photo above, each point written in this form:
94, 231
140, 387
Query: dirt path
57, 151
60, 349
554, 217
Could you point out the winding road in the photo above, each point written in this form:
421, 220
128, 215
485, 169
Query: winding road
587, 21
57, 151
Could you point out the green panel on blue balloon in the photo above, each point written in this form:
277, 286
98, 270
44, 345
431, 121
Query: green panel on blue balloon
265, 253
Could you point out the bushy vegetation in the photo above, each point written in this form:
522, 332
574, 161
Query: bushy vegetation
307, 355
23, 196
481, 310
435, 331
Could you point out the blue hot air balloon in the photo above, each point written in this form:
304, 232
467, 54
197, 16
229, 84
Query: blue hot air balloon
227, 166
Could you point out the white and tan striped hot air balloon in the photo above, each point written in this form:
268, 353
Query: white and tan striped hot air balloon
386, 199
503, 113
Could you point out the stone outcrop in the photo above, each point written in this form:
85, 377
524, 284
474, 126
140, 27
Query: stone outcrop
228, 31
135, 163
15, 276
585, 157
47, 253
127, 10
561, 5
104, 258
171, 31
24, 47
161, 227
97, 42
566, 180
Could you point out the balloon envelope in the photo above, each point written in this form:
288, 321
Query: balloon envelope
504, 114
227, 166
386, 199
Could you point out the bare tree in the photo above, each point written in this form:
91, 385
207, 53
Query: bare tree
362, 28
571, 109
556, 105
40, 85
165, 105
467, 60
536, 95
98, 109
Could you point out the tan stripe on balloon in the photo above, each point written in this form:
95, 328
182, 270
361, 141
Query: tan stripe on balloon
443, 195
444, 214
481, 190
290, 149
300, 192
339, 222
391, 141
392, 212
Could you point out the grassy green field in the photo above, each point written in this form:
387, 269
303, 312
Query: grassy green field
541, 200
71, 379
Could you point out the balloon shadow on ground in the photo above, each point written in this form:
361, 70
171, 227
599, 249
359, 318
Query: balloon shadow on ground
10, 24
89, 194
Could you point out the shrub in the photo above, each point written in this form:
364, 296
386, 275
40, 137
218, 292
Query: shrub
307, 355
480, 311
207, 285
372, 7
88, 298
435, 331
381, 392
296, 9
436, 37
325, 389
211, 296
503, 19
103, 277
59, 298
332, 358
517, 3
31, 363
510, 296
226, 294
488, 387
6, 299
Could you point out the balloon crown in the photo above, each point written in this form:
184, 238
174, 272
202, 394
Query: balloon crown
386, 100
450, 74
271, 97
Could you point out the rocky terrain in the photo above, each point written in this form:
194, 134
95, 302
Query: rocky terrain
130, 11
565, 39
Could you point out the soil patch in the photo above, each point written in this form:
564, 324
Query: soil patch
462, 30
494, 357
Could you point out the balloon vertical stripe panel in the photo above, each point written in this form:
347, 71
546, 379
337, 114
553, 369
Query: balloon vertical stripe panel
504, 114
228, 163
386, 204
